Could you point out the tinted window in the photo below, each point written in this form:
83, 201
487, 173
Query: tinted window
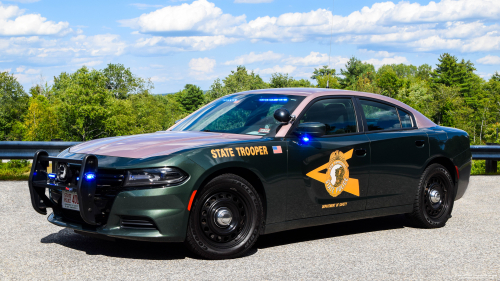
337, 114
380, 116
405, 119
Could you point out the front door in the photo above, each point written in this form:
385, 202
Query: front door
329, 174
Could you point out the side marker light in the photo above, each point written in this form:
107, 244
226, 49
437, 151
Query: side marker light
52, 176
191, 200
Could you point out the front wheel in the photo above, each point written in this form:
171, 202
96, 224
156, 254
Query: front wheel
225, 218
434, 199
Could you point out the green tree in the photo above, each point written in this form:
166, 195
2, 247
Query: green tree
322, 72
13, 106
333, 82
451, 73
496, 76
424, 72
238, 81
279, 80
302, 83
354, 70
41, 121
85, 104
122, 83
190, 98
389, 82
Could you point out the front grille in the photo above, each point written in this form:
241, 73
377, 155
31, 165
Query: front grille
137, 223
109, 184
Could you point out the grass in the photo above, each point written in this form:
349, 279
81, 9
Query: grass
479, 168
17, 170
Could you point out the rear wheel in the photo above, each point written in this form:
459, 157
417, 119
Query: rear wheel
225, 218
434, 199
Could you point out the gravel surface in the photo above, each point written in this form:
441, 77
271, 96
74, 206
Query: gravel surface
467, 248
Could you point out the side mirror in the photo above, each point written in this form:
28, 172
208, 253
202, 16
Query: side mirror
282, 115
313, 129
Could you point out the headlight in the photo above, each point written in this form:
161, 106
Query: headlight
157, 176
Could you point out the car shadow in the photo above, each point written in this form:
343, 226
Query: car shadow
119, 248
130, 249
332, 231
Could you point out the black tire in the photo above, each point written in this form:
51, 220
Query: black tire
209, 237
427, 213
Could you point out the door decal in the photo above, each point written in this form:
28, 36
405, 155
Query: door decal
336, 179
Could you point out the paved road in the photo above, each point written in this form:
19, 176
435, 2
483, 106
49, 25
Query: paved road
468, 248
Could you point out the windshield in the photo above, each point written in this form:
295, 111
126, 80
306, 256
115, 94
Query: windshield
250, 114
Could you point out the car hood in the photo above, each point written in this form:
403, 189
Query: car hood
156, 144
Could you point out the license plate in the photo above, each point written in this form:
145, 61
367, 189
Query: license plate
70, 201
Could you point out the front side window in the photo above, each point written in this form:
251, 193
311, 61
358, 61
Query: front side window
380, 116
337, 114
250, 114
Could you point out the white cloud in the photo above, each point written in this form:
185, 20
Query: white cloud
200, 17
204, 65
253, 57
32, 71
253, 1
317, 59
448, 24
61, 51
394, 60
13, 22
285, 69
159, 44
380, 54
489, 60
100, 45
20, 69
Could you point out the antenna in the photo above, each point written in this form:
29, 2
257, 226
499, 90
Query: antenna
330, 53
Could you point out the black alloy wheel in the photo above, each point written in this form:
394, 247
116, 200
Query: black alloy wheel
226, 218
435, 197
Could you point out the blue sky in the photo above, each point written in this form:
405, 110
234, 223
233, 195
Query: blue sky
174, 42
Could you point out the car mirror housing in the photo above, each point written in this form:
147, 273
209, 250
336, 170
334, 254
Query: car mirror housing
313, 129
282, 115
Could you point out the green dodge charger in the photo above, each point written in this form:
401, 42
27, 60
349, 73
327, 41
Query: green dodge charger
254, 163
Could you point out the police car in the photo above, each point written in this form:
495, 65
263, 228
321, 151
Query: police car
254, 163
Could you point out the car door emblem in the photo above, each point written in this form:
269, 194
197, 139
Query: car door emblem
336, 179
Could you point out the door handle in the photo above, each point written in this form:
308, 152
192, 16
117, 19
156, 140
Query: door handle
420, 143
361, 152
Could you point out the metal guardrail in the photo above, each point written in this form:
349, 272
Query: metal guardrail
27, 149
485, 152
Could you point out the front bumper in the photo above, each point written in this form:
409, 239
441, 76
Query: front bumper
165, 207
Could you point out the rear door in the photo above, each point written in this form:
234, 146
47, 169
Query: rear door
328, 175
399, 151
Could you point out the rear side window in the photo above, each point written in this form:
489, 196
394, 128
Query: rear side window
380, 116
337, 114
405, 119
